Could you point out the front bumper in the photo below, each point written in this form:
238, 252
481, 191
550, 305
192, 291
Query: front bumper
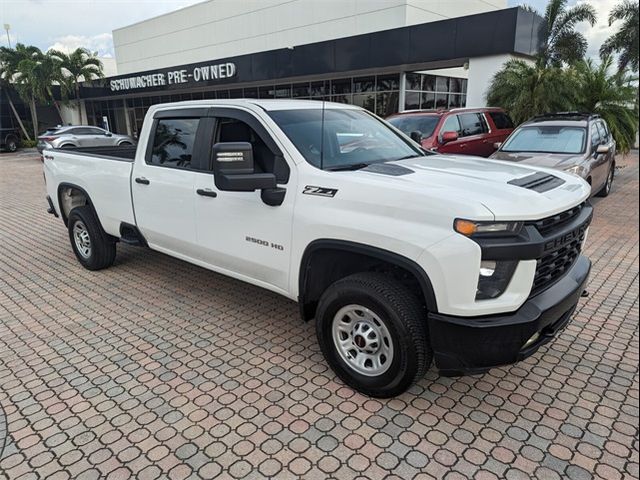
468, 345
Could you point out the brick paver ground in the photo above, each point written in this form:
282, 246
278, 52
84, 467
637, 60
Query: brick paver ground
156, 368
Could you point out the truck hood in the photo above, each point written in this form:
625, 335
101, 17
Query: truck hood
465, 179
550, 160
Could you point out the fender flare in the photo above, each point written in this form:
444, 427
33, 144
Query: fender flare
378, 253
64, 185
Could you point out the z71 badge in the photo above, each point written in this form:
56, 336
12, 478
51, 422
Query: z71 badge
320, 191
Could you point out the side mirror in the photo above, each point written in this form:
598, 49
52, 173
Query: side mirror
449, 137
233, 168
416, 136
602, 149
497, 145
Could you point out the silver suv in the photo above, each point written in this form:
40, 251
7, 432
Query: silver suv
579, 143
81, 136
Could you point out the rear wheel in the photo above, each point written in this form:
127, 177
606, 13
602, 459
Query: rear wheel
94, 249
12, 145
372, 332
608, 186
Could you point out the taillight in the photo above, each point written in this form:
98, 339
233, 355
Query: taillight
47, 139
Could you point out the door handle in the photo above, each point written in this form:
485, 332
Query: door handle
142, 181
206, 192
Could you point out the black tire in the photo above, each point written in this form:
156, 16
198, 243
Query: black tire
608, 184
402, 315
67, 146
101, 250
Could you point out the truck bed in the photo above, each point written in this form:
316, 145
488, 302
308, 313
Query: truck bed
104, 173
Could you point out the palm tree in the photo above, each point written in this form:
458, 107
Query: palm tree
613, 96
30, 72
77, 66
625, 40
525, 89
560, 42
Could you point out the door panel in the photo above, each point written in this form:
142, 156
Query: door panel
239, 233
163, 187
598, 161
165, 207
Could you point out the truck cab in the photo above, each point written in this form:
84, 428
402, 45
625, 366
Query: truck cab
401, 256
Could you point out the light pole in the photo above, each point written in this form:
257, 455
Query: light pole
7, 27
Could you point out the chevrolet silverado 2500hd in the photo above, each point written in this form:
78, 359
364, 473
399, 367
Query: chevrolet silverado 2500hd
401, 256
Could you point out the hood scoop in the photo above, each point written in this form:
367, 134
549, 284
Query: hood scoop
388, 169
538, 182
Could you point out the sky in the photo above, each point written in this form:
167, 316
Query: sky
68, 24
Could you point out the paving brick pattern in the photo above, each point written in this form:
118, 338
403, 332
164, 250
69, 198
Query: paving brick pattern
159, 369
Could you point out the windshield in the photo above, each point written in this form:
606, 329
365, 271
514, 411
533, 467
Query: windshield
546, 139
425, 124
351, 137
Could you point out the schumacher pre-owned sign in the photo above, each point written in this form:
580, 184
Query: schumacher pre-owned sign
197, 74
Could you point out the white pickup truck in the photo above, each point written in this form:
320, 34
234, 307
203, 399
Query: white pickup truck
401, 256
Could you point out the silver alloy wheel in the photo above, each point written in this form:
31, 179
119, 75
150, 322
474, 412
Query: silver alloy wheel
82, 239
362, 340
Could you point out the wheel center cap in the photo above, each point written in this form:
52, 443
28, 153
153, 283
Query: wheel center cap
360, 341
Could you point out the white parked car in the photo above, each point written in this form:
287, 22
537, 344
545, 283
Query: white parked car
400, 255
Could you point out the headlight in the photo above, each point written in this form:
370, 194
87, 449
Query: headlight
470, 228
494, 278
576, 170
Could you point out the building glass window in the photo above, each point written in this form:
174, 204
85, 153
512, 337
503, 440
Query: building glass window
428, 101
364, 84
442, 100
365, 100
413, 81
341, 86
412, 101
283, 91
387, 103
429, 83
455, 101
318, 89
442, 84
300, 90
388, 82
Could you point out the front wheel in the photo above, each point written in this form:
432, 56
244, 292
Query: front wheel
372, 332
608, 186
94, 249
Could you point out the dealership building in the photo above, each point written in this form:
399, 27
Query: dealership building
384, 55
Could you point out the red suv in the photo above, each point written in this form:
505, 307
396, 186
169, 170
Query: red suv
470, 131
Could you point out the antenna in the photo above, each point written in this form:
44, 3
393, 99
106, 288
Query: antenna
322, 137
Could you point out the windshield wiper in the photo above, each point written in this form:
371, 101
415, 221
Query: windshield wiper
351, 166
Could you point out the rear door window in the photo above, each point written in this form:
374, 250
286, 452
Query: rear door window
501, 120
472, 124
173, 142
